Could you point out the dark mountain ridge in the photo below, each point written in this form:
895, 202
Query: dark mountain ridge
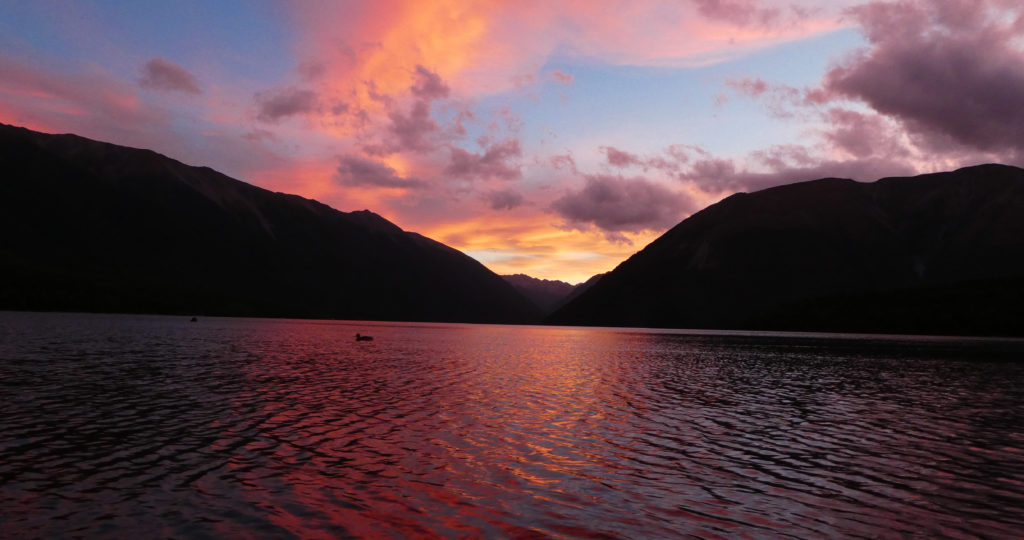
549, 294
580, 288
546, 294
936, 253
93, 226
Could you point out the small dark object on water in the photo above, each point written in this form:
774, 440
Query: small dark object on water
360, 337
194, 319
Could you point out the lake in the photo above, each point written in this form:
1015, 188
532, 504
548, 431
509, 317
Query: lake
154, 426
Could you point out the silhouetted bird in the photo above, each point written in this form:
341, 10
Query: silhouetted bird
360, 337
194, 319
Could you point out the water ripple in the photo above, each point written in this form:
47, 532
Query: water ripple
116, 426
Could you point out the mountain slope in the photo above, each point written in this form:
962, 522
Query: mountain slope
831, 254
579, 289
546, 294
97, 227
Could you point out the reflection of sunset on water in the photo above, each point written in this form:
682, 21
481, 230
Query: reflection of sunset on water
242, 427
295, 428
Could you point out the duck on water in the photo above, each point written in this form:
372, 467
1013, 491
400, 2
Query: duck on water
360, 337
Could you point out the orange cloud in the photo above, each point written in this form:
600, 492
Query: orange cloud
532, 244
370, 58
489, 45
370, 52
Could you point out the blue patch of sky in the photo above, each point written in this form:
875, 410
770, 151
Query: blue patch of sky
239, 38
31, 30
646, 109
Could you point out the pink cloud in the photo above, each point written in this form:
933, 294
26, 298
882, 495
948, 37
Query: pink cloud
561, 77
86, 102
780, 99
92, 103
394, 88
749, 86
862, 135
160, 74
669, 163
494, 46
739, 12
82, 95
407, 69
785, 156
563, 162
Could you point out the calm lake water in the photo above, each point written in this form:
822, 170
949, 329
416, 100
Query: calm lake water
152, 426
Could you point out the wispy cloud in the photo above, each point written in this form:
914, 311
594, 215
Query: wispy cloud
160, 74
358, 171
498, 160
277, 105
503, 199
615, 204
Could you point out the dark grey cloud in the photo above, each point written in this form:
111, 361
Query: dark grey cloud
621, 158
863, 135
312, 70
273, 106
259, 135
414, 129
498, 160
615, 204
428, 85
714, 174
160, 74
951, 72
357, 171
411, 131
503, 199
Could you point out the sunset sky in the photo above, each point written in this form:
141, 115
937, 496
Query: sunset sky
548, 138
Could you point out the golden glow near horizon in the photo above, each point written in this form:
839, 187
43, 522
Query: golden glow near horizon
536, 248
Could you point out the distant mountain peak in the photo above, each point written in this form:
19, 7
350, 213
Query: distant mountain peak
547, 294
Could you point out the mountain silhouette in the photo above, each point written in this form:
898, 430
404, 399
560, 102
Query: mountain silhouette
91, 226
579, 289
936, 253
546, 294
